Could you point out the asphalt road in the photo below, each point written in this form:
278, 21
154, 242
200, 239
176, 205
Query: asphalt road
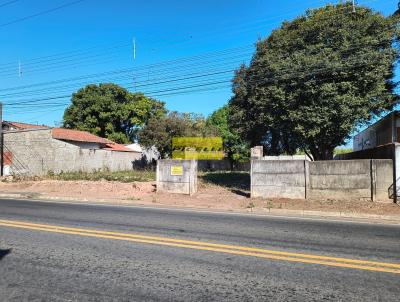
70, 265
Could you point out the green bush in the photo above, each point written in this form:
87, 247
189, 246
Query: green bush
122, 176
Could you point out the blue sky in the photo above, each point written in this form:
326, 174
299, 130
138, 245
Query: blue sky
96, 36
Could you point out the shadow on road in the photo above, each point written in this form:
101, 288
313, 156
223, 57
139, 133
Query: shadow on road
4, 253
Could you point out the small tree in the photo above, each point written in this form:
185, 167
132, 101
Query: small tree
315, 79
235, 147
159, 131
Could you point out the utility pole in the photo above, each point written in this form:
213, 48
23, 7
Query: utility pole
2, 141
354, 6
134, 48
134, 58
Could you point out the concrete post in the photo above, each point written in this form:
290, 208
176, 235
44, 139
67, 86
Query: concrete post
306, 178
373, 180
257, 152
396, 172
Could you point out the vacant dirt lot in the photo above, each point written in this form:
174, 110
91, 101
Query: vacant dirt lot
211, 195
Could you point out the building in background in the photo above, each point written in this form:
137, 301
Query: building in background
34, 150
8, 126
383, 132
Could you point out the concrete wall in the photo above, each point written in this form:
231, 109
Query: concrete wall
185, 183
35, 152
278, 178
352, 179
340, 179
382, 179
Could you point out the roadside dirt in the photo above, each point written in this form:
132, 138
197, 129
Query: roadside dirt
209, 196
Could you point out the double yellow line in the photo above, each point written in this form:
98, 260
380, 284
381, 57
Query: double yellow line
212, 247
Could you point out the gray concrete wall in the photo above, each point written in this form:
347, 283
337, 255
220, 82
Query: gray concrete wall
382, 175
31, 151
36, 153
340, 179
278, 179
352, 179
186, 183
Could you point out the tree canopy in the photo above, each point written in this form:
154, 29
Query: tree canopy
315, 79
111, 111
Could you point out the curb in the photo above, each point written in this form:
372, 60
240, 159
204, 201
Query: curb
327, 214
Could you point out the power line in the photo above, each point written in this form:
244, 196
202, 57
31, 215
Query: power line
195, 63
12, 73
8, 3
41, 13
164, 75
216, 54
269, 79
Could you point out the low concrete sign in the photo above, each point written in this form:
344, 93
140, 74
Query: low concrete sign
177, 176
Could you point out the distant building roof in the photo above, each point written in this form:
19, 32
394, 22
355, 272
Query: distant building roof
118, 147
135, 147
72, 135
84, 136
23, 126
78, 136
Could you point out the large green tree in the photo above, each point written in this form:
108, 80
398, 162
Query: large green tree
234, 146
159, 131
315, 79
111, 111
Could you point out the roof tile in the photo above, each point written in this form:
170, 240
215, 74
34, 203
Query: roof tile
25, 126
78, 136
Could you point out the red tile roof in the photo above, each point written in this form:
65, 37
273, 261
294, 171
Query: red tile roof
78, 136
118, 147
84, 136
25, 126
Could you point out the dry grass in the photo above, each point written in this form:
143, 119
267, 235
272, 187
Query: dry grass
121, 176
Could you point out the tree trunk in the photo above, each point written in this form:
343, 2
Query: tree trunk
322, 153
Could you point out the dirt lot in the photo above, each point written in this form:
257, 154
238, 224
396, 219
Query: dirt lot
212, 194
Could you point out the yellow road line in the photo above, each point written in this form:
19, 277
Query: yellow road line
197, 245
225, 246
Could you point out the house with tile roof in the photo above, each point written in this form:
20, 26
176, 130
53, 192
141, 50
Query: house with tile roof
38, 150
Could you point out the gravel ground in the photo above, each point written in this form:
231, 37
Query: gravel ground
209, 196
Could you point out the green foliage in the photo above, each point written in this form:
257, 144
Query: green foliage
159, 131
111, 111
342, 150
236, 148
122, 176
315, 79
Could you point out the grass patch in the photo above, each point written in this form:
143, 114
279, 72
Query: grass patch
122, 176
230, 180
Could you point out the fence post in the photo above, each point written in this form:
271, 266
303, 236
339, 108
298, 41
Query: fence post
396, 170
306, 178
373, 179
